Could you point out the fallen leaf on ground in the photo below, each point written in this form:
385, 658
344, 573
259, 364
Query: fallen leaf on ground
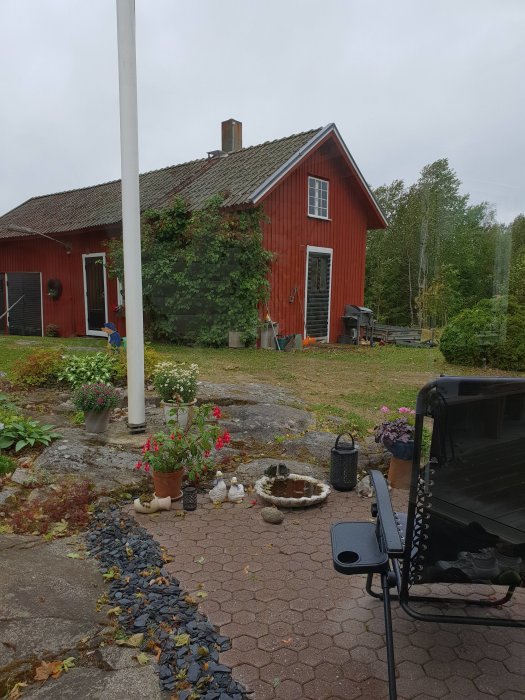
16, 691
134, 641
48, 669
200, 560
142, 658
201, 594
181, 640
75, 555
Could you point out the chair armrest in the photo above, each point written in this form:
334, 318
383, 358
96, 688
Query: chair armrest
385, 514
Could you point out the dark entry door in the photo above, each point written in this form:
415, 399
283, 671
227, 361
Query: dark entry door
318, 294
95, 291
3, 307
25, 317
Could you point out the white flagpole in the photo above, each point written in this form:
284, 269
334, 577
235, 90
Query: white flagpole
129, 154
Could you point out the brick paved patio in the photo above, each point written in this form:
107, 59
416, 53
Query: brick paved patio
300, 630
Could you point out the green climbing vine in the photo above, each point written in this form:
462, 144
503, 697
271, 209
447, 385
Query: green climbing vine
203, 272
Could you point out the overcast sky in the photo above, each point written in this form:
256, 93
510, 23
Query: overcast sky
406, 82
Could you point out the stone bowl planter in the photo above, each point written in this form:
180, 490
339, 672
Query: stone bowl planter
293, 491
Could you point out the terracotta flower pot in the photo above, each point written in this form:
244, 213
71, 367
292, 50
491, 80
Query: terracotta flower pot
97, 421
168, 484
399, 473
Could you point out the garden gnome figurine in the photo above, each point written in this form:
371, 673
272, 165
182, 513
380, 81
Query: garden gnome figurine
236, 492
219, 492
114, 338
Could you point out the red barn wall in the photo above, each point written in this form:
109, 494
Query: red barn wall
52, 261
290, 230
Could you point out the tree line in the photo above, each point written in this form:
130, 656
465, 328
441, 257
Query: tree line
440, 254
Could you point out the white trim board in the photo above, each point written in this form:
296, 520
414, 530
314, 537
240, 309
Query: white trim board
329, 251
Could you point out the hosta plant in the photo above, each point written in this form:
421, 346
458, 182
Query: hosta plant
88, 368
25, 432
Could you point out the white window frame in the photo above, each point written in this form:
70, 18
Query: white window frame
99, 334
317, 205
330, 252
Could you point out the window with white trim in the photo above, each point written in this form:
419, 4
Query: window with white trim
318, 198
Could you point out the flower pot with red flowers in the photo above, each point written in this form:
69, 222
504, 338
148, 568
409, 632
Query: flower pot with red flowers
176, 383
396, 433
181, 455
96, 401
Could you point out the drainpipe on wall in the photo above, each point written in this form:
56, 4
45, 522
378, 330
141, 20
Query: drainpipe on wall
129, 154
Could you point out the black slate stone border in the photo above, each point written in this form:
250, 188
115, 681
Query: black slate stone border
152, 602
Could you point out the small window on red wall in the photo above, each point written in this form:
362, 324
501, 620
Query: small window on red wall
318, 198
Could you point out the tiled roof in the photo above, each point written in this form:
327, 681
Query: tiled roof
235, 177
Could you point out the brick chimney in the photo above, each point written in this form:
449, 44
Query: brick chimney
231, 135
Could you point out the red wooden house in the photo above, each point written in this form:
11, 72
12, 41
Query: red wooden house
319, 207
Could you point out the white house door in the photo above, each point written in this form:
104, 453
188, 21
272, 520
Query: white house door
95, 292
318, 282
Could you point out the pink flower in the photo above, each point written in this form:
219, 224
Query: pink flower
146, 467
207, 453
412, 412
404, 409
219, 444
384, 409
138, 465
172, 436
226, 437
217, 412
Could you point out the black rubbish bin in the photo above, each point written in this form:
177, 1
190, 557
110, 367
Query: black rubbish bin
343, 464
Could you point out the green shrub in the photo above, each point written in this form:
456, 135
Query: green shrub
493, 330
151, 359
7, 465
26, 432
89, 368
39, 368
8, 411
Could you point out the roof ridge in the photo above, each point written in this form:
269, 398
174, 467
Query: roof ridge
284, 138
158, 170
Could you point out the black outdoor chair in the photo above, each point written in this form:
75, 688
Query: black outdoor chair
466, 512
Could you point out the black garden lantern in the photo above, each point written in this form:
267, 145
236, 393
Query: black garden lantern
343, 464
189, 498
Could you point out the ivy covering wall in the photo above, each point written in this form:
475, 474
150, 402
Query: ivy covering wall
203, 273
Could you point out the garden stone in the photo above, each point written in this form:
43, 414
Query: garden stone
272, 515
23, 477
245, 393
40, 590
312, 444
95, 684
264, 422
92, 459
7, 493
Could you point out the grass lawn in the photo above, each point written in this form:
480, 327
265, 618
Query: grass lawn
353, 382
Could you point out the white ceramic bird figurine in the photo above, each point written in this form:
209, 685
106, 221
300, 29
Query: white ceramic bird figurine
236, 492
219, 492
